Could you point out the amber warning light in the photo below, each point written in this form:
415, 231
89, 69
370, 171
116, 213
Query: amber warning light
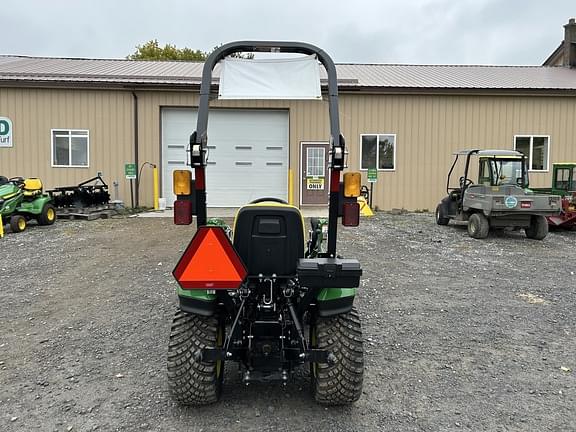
210, 262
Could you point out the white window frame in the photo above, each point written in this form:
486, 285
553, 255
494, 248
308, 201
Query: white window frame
69, 132
532, 151
323, 160
377, 152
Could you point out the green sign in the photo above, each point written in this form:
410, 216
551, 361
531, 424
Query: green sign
5, 132
372, 175
130, 171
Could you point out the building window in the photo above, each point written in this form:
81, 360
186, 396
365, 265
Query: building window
378, 151
315, 161
70, 148
536, 148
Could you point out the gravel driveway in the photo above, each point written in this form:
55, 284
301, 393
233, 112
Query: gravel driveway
460, 334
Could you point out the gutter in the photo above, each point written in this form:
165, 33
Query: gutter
136, 147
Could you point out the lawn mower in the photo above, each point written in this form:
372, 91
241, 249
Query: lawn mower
22, 200
500, 199
257, 293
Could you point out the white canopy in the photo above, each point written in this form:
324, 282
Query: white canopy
283, 78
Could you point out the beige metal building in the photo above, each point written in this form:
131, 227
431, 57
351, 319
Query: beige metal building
65, 120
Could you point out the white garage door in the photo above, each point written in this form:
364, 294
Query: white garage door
248, 153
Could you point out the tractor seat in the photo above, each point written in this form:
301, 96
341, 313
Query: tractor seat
269, 237
32, 187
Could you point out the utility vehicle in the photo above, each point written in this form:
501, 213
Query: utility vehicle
563, 184
22, 200
264, 298
499, 199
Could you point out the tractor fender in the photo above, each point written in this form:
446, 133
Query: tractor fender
335, 301
197, 302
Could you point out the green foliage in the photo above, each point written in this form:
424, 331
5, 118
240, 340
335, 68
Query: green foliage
152, 50
235, 55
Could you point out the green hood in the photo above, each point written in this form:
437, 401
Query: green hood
8, 190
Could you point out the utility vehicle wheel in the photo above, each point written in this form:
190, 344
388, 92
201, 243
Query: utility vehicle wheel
191, 381
538, 228
440, 218
48, 215
18, 223
478, 226
341, 382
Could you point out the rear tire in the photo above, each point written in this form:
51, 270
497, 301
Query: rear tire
48, 215
538, 228
478, 226
339, 383
18, 223
440, 218
191, 381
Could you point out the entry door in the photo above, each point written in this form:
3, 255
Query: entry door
314, 178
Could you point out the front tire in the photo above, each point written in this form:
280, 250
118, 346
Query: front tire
18, 223
478, 226
191, 381
48, 215
339, 383
538, 228
440, 218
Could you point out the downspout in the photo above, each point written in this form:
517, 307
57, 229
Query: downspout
136, 146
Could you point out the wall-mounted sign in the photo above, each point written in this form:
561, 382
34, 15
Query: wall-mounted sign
5, 132
315, 183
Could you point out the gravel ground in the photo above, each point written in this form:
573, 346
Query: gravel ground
460, 334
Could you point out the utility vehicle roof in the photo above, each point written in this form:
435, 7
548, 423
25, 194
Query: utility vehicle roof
490, 153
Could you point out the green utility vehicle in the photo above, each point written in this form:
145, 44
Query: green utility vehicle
258, 294
499, 199
563, 184
22, 200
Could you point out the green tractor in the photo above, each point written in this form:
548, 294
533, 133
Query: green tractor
258, 294
22, 200
564, 185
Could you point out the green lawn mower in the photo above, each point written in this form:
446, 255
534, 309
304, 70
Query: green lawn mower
22, 200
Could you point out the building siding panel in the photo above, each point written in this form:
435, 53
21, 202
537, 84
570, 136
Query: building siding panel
35, 112
428, 129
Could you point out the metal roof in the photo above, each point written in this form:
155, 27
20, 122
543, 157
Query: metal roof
38, 70
494, 153
497, 153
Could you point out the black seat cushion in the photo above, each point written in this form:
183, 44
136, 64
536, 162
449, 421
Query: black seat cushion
269, 239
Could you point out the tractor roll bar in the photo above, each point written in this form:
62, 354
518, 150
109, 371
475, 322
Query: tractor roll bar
199, 139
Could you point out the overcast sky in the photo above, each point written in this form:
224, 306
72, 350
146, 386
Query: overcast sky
360, 31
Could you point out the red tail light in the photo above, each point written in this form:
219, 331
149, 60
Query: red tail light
525, 204
182, 212
351, 214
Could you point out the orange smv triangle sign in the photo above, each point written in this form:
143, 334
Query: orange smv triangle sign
210, 262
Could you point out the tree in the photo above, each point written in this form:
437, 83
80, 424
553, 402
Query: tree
151, 50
